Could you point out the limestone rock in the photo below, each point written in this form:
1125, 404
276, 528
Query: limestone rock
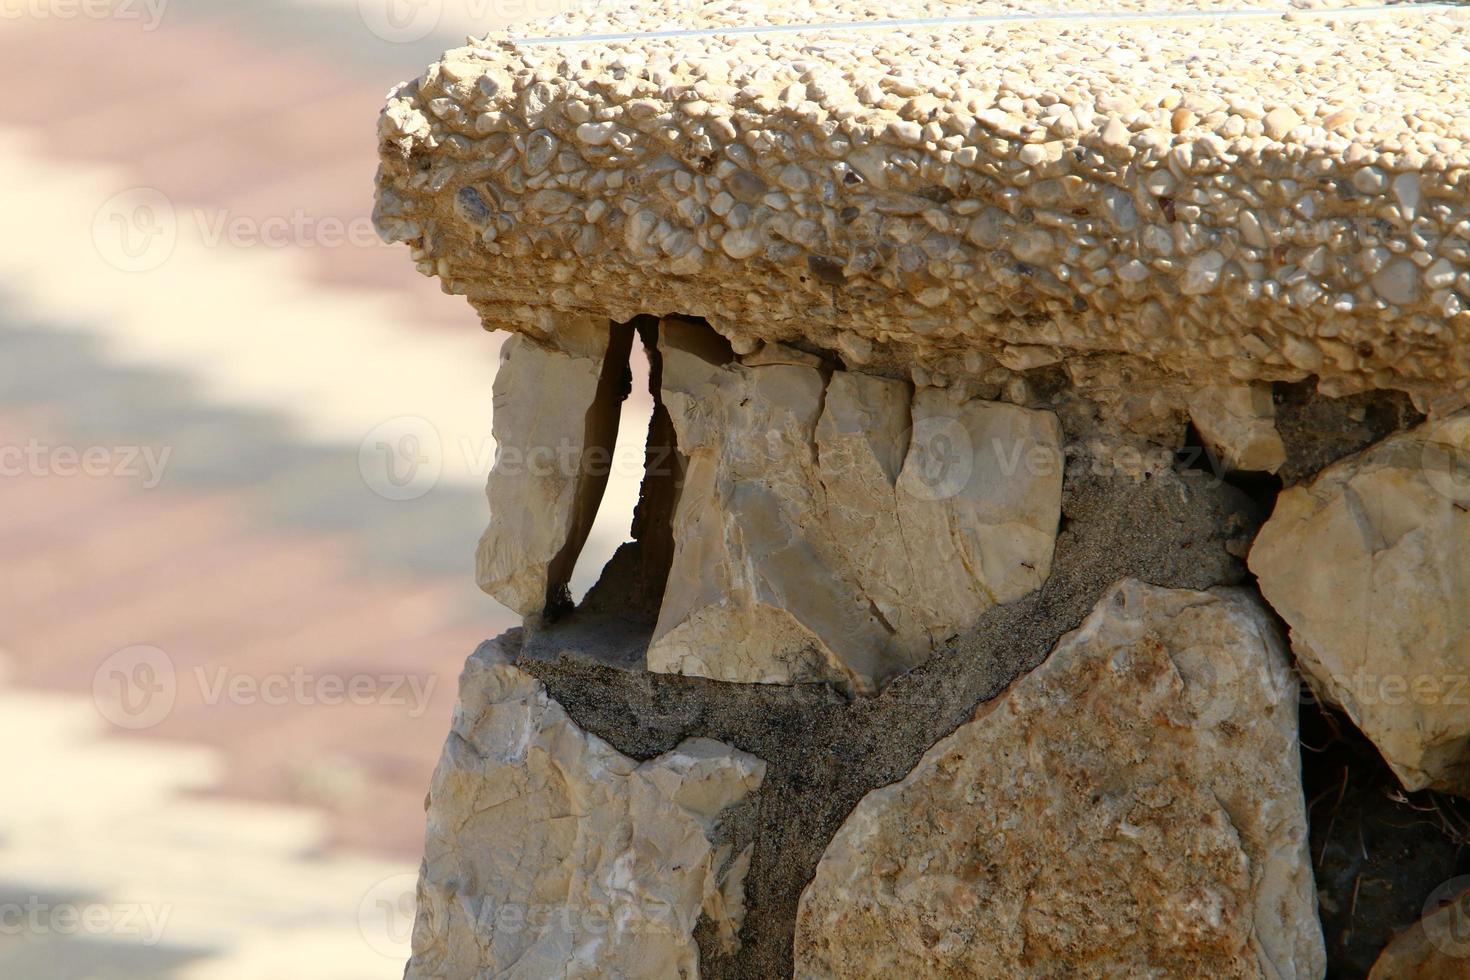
1435, 948
549, 853
1370, 566
841, 529
551, 405
1238, 423
1130, 808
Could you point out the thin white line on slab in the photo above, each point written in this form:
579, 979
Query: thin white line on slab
1261, 13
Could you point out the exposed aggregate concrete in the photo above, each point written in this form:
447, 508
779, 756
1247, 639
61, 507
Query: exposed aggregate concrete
1193, 199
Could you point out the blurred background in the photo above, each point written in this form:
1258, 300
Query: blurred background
242, 452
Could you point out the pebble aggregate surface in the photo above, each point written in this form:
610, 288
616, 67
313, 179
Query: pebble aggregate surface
1146, 189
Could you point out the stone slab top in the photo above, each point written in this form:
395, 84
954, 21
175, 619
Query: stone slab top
1210, 192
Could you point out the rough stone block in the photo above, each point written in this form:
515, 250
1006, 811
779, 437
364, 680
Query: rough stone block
1132, 807
549, 853
840, 525
1370, 565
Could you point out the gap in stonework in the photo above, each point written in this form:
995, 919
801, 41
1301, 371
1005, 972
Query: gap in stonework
612, 527
634, 576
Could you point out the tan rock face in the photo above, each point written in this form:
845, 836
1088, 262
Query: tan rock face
1370, 565
552, 405
1238, 423
549, 853
840, 525
1130, 808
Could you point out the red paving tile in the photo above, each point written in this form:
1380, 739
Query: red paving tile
43, 512
157, 129
169, 595
103, 564
239, 571
88, 566
228, 130
123, 535
77, 68
267, 607
297, 156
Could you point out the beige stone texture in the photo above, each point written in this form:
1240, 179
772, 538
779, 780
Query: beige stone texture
549, 853
1238, 424
542, 498
1130, 808
972, 197
1370, 566
837, 527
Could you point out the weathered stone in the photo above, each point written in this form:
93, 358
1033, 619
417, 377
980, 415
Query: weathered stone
1370, 566
1238, 422
552, 405
841, 529
1130, 808
549, 853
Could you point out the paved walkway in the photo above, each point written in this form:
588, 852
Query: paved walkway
241, 452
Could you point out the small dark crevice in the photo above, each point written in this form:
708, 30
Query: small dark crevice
598, 445
1378, 853
1261, 488
614, 623
1318, 430
632, 585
